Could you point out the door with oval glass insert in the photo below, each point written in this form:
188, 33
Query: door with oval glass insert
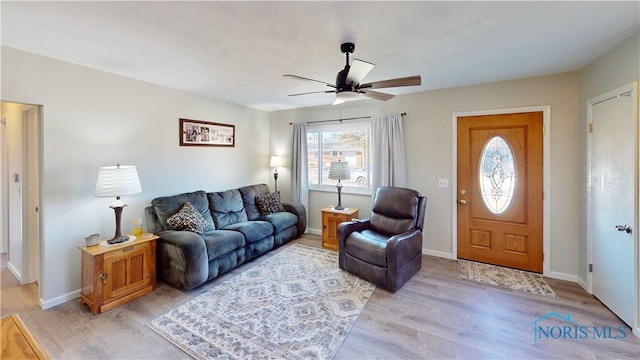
499, 196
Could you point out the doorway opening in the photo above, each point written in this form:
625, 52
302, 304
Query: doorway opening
21, 194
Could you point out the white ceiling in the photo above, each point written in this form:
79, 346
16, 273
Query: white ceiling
238, 51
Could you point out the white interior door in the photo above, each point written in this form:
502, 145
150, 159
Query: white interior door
613, 203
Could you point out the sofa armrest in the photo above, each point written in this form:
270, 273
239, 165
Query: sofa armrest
153, 222
182, 259
298, 210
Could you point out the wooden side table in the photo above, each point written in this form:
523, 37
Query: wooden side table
113, 275
331, 218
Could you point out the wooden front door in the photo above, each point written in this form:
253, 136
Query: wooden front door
499, 195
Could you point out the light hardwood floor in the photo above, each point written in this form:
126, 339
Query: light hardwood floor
435, 315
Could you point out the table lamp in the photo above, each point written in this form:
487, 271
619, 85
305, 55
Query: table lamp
117, 181
339, 171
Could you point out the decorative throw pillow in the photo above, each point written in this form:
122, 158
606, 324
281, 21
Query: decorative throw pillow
188, 218
269, 203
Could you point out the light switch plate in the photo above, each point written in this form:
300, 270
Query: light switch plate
443, 183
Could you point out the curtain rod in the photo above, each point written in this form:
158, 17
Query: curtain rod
341, 120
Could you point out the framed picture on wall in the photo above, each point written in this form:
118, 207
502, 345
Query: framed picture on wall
204, 133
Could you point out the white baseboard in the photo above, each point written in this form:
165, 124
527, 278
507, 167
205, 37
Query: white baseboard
314, 231
46, 304
440, 254
583, 283
562, 276
15, 272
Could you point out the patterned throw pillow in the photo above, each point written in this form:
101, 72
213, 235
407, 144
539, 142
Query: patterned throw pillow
189, 219
269, 203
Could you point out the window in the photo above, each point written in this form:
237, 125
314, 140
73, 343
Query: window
497, 175
344, 142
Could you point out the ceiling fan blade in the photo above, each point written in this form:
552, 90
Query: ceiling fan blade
358, 70
307, 79
313, 92
405, 81
377, 95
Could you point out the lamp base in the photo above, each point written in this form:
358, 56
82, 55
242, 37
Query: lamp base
118, 237
275, 180
118, 240
339, 206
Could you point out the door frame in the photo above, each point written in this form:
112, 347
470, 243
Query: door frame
546, 186
31, 235
633, 87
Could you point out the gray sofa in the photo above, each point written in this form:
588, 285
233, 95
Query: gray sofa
235, 232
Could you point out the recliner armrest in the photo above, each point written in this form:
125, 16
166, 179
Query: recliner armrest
344, 230
403, 247
347, 227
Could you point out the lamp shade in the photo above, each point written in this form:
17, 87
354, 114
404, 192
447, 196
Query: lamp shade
339, 171
117, 181
276, 161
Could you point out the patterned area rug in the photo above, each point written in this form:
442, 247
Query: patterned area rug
517, 280
296, 304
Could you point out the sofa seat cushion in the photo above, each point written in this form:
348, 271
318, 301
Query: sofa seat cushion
221, 242
227, 207
280, 220
166, 206
368, 246
252, 230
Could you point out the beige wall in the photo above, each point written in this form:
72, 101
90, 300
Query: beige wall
429, 143
93, 119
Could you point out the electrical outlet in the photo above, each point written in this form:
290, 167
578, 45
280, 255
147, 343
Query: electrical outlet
443, 183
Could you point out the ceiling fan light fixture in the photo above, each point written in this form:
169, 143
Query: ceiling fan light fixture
348, 86
346, 95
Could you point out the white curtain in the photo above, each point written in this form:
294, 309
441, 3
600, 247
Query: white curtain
299, 172
388, 161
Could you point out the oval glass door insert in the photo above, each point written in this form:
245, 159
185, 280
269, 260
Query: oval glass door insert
497, 175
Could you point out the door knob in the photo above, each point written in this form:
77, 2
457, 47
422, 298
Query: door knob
625, 228
463, 202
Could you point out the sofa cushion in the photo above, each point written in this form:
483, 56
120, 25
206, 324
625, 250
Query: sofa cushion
368, 246
168, 205
226, 208
189, 219
249, 194
395, 210
280, 220
252, 230
269, 203
220, 242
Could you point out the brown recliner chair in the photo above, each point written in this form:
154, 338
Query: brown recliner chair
386, 249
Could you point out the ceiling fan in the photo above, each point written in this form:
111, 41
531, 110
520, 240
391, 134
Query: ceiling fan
348, 87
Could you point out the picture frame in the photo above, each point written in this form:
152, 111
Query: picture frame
205, 133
